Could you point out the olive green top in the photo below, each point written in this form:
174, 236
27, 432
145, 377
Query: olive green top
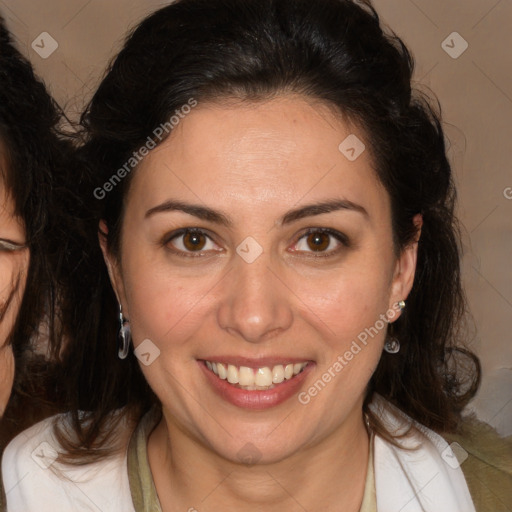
488, 466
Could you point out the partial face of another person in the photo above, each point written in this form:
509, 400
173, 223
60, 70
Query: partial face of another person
253, 255
14, 261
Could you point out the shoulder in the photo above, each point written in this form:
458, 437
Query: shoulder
35, 480
486, 461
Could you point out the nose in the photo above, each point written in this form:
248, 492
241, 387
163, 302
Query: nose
255, 304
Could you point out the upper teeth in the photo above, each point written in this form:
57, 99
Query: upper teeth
255, 378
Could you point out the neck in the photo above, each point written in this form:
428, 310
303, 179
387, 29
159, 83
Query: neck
328, 475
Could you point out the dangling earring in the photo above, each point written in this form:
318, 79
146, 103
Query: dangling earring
124, 337
392, 345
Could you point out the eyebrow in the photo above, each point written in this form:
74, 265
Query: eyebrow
217, 217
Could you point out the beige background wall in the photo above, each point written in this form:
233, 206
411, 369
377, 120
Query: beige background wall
475, 90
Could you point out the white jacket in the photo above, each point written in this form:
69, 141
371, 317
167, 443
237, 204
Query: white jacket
428, 479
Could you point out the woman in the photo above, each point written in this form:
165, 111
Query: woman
31, 158
275, 209
14, 261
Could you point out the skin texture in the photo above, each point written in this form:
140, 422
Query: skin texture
255, 162
13, 273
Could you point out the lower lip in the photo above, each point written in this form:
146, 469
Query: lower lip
257, 399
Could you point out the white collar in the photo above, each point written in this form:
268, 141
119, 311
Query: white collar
428, 479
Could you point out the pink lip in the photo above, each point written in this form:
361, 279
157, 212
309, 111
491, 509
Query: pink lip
255, 400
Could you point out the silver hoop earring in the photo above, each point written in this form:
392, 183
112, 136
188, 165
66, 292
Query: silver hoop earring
392, 345
124, 337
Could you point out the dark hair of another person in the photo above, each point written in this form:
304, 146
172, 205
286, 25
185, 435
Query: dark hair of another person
334, 51
35, 157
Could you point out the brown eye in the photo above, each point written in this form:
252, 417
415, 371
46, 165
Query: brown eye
191, 242
318, 241
194, 241
321, 242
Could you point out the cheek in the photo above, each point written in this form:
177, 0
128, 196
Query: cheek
164, 306
170, 311
7, 277
13, 276
6, 376
347, 312
346, 301
12, 284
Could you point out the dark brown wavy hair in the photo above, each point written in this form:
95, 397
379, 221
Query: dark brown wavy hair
335, 51
37, 158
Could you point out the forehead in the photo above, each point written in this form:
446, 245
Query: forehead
270, 154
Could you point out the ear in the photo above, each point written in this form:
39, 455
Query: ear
405, 268
112, 267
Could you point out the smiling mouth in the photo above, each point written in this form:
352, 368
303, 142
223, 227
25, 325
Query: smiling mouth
255, 379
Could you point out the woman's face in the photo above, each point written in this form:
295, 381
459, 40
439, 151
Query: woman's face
13, 274
254, 239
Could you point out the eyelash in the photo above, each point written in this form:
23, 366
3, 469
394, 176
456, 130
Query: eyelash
340, 237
